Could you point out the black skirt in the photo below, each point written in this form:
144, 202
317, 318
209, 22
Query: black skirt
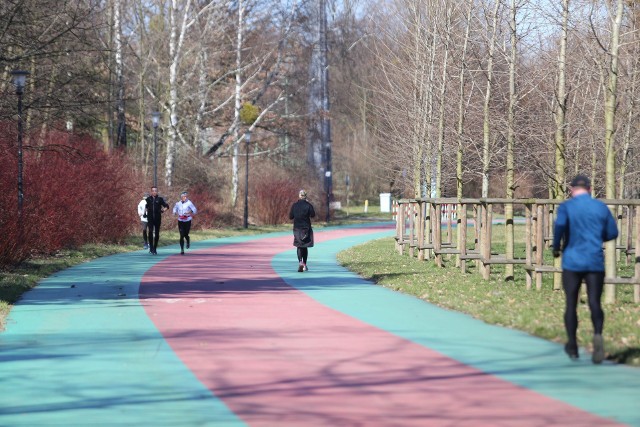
303, 237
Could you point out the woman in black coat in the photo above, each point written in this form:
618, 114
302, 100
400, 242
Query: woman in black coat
301, 214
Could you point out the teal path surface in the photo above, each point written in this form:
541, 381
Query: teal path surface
88, 354
79, 349
608, 390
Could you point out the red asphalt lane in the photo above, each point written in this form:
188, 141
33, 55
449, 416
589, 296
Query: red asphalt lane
276, 357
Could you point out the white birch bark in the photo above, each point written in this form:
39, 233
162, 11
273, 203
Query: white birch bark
511, 139
121, 134
611, 96
176, 40
486, 129
238, 100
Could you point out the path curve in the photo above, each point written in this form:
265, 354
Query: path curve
231, 334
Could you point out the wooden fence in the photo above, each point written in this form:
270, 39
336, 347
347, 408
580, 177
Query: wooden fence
424, 228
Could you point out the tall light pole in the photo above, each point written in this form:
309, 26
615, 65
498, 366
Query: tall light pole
247, 140
19, 80
155, 119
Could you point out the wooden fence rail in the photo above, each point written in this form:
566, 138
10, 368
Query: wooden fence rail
426, 226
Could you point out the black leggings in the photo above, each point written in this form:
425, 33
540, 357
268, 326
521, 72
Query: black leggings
571, 281
183, 228
303, 253
154, 235
145, 226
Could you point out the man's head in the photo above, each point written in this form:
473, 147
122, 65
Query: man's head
580, 184
154, 191
183, 196
302, 195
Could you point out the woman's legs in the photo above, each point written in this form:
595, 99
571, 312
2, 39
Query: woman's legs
181, 229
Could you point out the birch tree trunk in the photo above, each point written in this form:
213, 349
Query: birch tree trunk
511, 137
486, 129
611, 96
443, 94
428, 163
560, 118
461, 102
176, 39
121, 127
238, 105
460, 132
561, 108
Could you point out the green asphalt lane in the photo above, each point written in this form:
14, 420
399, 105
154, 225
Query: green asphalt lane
608, 390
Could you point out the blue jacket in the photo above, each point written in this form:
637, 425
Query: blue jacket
584, 224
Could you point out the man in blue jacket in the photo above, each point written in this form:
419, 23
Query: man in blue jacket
583, 223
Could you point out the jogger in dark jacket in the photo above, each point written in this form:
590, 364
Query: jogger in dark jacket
301, 213
155, 206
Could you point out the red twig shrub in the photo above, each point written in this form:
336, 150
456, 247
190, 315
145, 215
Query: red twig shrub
73, 194
272, 199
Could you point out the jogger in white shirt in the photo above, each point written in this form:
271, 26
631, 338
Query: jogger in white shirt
185, 210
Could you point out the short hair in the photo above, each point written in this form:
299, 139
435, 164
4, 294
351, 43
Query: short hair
302, 194
581, 181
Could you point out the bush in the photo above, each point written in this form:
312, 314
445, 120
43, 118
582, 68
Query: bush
272, 199
73, 194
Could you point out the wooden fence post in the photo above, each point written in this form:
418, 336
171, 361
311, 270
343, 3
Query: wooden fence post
528, 231
462, 236
421, 229
539, 243
636, 287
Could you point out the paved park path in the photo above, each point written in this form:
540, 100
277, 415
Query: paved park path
232, 335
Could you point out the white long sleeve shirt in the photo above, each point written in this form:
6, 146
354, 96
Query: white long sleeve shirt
184, 210
142, 207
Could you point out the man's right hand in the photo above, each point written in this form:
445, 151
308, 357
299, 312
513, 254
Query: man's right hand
556, 253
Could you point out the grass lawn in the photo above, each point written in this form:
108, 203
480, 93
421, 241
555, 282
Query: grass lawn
495, 301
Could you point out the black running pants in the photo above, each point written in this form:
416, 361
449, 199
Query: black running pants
571, 281
154, 236
183, 228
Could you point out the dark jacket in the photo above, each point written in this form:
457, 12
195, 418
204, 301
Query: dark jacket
301, 213
154, 209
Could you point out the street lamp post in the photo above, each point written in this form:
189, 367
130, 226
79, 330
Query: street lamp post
155, 119
247, 139
19, 80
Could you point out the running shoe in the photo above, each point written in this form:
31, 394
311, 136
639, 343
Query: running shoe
572, 351
598, 349
300, 267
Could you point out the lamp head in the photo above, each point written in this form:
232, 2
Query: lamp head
19, 79
155, 118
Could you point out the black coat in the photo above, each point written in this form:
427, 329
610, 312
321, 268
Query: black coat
154, 209
301, 213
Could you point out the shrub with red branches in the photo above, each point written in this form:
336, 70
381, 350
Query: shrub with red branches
272, 199
73, 194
